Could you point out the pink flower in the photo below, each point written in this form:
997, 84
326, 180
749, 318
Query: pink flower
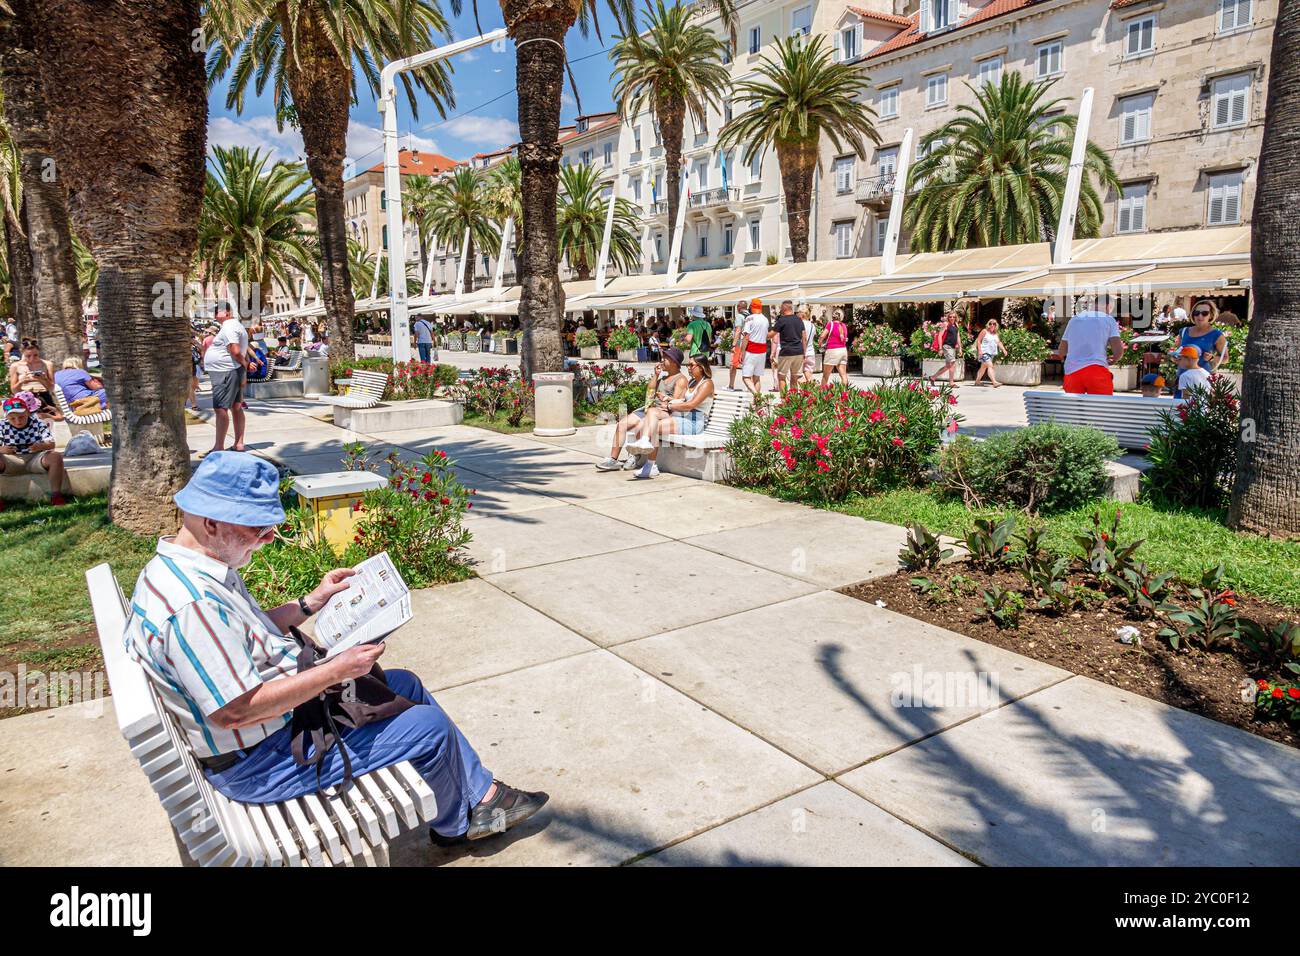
876, 416
898, 441
796, 432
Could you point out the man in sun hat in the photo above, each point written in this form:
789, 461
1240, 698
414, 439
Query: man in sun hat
225, 669
27, 445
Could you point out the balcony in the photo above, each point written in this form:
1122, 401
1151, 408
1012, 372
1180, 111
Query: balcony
708, 198
875, 190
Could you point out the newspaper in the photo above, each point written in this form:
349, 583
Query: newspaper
376, 603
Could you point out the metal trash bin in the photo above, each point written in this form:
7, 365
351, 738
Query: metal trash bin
315, 375
553, 404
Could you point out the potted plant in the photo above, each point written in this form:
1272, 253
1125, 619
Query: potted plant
625, 343
1023, 363
1125, 372
931, 360
878, 346
588, 343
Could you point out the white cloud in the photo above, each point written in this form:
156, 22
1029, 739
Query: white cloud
483, 130
256, 132
366, 144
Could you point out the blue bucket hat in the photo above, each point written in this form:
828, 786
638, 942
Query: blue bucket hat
233, 487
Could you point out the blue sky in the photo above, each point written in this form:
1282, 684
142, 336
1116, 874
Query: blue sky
484, 118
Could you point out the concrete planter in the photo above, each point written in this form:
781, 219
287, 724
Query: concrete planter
1019, 373
882, 366
590, 352
1126, 377
628, 355
933, 366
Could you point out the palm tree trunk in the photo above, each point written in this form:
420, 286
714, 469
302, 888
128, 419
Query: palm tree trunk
130, 146
538, 30
55, 321
672, 118
467, 267
1266, 495
798, 166
321, 87
19, 256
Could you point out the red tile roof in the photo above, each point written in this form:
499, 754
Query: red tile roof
912, 35
883, 17
415, 163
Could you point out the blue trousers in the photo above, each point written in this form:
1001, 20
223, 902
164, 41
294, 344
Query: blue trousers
425, 349
423, 734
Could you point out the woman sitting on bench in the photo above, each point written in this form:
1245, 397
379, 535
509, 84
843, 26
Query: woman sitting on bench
688, 415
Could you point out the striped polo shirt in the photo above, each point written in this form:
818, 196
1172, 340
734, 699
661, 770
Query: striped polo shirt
203, 641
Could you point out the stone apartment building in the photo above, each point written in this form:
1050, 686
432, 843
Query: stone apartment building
1179, 93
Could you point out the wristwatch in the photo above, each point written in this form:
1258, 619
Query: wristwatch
302, 603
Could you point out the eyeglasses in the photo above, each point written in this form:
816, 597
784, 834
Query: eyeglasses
1200, 312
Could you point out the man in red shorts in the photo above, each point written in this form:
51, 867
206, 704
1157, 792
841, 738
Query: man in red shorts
1091, 333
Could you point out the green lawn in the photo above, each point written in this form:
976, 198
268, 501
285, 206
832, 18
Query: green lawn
1185, 542
44, 554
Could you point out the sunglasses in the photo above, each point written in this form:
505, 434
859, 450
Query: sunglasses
1200, 312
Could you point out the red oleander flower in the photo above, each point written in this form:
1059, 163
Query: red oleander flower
1293, 693
1277, 693
1262, 684
898, 441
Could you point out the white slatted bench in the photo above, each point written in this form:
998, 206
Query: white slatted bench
365, 390
704, 456
347, 828
293, 365
93, 423
1129, 419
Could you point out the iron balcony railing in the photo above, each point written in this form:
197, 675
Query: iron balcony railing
875, 188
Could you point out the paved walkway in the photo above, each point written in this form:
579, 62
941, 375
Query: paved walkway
672, 662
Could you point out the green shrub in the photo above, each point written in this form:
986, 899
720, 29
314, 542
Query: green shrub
923, 338
623, 339
825, 443
420, 380
586, 338
1021, 345
1193, 449
878, 340
1045, 467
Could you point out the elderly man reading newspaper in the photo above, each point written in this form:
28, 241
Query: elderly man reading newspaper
227, 670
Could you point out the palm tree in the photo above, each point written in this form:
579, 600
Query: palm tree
314, 54
502, 191
361, 269
17, 254
55, 319
1266, 494
676, 67
130, 146
799, 96
417, 200
459, 203
995, 174
581, 223
251, 228
87, 269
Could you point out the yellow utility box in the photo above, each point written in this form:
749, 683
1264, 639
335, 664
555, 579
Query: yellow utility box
331, 497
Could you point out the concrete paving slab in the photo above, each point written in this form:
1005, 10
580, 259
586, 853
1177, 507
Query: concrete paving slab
577, 481
829, 679
829, 549
71, 794
591, 440
493, 497
825, 825
630, 764
693, 509
1087, 774
468, 631
621, 596
508, 542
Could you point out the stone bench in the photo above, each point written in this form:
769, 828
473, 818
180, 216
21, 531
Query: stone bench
704, 456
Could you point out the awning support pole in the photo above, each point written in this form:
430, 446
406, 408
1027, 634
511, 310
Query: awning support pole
889, 254
507, 234
1070, 205
460, 264
675, 254
604, 240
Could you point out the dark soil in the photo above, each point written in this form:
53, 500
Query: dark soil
69, 653
1084, 642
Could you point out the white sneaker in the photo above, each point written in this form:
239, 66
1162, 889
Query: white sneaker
633, 462
648, 470
609, 464
638, 445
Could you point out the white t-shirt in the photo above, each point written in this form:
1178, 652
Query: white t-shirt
1087, 335
423, 332
1191, 379
756, 327
740, 320
218, 358
808, 334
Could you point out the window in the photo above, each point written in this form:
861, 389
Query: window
659, 184
755, 39
609, 154
1234, 15
727, 111
1135, 119
1224, 205
937, 14
385, 235
383, 199
936, 90
990, 71
843, 168
636, 188
843, 239
1131, 215
726, 51
701, 174
636, 139
887, 161
659, 139
703, 235
848, 43
888, 103
801, 22
1230, 103
1140, 37
659, 246
1050, 58
728, 238
581, 125
882, 233
756, 167
755, 232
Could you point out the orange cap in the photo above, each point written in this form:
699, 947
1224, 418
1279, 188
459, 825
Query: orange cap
1190, 352
756, 306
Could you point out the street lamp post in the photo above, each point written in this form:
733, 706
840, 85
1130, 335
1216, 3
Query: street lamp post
397, 306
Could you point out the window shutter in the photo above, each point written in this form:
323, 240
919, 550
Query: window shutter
837, 53
1125, 219
1138, 222
925, 16
1130, 127
858, 49
1238, 101
1231, 202
1222, 110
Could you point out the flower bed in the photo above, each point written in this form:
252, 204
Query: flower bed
1098, 611
824, 443
496, 393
